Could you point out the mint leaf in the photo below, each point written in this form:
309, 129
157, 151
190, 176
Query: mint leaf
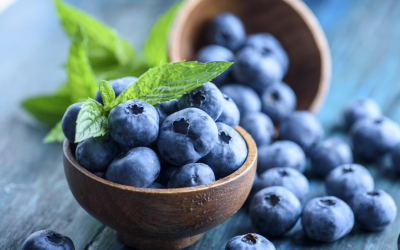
91, 121
107, 93
55, 135
171, 80
155, 48
48, 109
81, 80
106, 48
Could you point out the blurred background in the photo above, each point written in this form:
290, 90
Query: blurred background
363, 36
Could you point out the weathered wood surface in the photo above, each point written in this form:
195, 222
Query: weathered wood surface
364, 39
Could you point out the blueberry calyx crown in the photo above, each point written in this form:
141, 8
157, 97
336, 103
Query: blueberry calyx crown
250, 238
134, 109
225, 97
272, 97
283, 173
272, 199
378, 121
327, 202
196, 99
224, 137
181, 126
266, 51
374, 193
347, 169
55, 238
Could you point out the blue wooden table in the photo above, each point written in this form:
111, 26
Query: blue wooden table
364, 39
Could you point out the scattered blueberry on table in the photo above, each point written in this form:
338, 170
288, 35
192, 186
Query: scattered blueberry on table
48, 240
359, 109
250, 241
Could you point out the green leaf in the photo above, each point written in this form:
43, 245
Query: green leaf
171, 80
106, 48
81, 80
155, 48
91, 122
107, 93
55, 135
48, 109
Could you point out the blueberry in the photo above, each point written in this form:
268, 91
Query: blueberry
281, 154
230, 114
228, 154
328, 155
206, 97
48, 240
372, 138
259, 126
327, 219
215, 52
166, 173
269, 44
186, 136
347, 181
395, 156
245, 98
289, 178
190, 175
166, 109
68, 122
134, 123
249, 241
156, 185
301, 127
374, 210
256, 69
360, 109
278, 101
95, 154
274, 211
226, 30
138, 167
118, 85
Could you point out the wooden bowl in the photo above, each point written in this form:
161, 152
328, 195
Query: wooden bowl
146, 218
290, 21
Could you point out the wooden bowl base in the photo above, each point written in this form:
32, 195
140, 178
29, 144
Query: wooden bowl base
153, 244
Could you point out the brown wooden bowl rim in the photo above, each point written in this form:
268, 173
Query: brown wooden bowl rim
250, 161
306, 15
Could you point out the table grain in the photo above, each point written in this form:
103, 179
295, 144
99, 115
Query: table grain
364, 39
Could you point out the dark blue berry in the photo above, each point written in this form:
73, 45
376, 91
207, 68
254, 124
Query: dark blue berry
230, 114
259, 126
359, 109
167, 171
245, 98
190, 175
118, 85
68, 122
165, 109
48, 240
250, 241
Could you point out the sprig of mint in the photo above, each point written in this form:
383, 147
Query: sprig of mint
161, 83
96, 52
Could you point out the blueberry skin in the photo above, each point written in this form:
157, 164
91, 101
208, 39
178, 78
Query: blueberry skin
259, 126
138, 167
68, 122
156, 185
327, 219
269, 44
256, 69
245, 98
134, 123
275, 206
96, 154
372, 138
166, 173
165, 109
230, 114
48, 240
215, 52
301, 127
186, 136
395, 156
281, 154
289, 178
226, 30
190, 175
278, 101
206, 97
359, 109
374, 210
118, 85
228, 154
347, 181
328, 155
249, 242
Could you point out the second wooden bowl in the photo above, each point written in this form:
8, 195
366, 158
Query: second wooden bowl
290, 21
165, 219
